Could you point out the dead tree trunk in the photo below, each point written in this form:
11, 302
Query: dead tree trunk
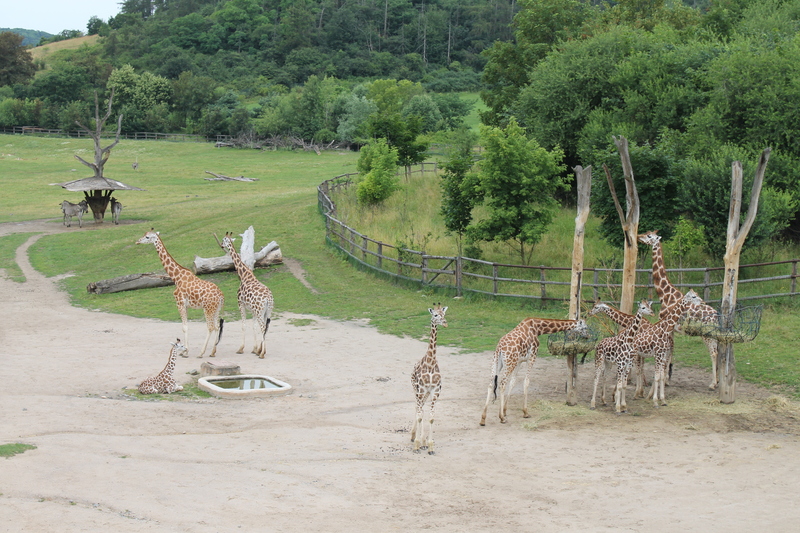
584, 178
726, 361
268, 255
630, 225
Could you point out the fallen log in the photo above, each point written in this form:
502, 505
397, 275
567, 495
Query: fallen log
268, 255
130, 282
221, 177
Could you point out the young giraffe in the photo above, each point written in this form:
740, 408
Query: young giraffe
190, 291
163, 382
518, 345
669, 295
618, 349
427, 380
654, 340
252, 295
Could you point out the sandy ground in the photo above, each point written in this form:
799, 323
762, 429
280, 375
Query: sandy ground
335, 454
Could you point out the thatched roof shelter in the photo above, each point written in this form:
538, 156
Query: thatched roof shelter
97, 184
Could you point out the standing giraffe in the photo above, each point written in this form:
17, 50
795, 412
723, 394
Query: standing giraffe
427, 381
618, 349
520, 344
190, 291
252, 295
669, 295
163, 382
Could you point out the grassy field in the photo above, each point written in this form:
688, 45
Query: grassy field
41, 54
282, 206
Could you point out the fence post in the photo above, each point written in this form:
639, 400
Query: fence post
423, 267
706, 285
380, 255
364, 243
494, 278
458, 275
352, 241
794, 277
595, 279
541, 284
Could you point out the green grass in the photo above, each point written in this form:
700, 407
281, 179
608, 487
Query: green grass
10, 450
8, 249
190, 392
282, 206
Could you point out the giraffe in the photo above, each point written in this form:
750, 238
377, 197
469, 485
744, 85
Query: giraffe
654, 340
669, 295
518, 345
252, 295
163, 382
190, 291
427, 380
618, 349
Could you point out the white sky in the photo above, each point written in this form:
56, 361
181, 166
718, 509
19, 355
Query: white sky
53, 16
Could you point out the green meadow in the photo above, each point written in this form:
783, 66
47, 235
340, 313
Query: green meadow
282, 206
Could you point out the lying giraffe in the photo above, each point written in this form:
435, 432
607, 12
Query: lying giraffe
163, 382
618, 349
427, 381
669, 295
518, 345
252, 295
190, 291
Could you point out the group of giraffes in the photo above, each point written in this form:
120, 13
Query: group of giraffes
637, 339
193, 292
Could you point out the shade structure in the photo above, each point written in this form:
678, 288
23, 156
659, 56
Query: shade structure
97, 184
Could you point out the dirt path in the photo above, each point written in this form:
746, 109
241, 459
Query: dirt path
335, 454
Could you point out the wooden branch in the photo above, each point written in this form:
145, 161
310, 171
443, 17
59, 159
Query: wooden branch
90, 165
268, 255
221, 177
754, 196
611, 188
130, 282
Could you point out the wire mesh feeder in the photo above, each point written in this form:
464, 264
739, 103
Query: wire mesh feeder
746, 323
572, 342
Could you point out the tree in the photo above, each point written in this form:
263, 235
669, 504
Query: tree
378, 165
401, 134
16, 63
458, 199
517, 179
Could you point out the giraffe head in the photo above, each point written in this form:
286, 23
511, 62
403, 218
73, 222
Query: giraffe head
437, 315
179, 348
651, 238
599, 307
644, 308
227, 241
151, 237
581, 328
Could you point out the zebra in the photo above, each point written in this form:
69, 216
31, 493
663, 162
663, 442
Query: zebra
70, 210
116, 209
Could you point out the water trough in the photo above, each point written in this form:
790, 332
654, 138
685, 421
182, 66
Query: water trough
243, 386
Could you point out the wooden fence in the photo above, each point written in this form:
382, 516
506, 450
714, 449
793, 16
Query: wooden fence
136, 136
466, 275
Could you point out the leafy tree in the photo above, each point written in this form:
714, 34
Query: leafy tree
424, 107
518, 180
378, 165
402, 135
458, 198
353, 121
16, 63
392, 95
65, 82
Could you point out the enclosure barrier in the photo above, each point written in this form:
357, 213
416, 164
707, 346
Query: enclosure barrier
545, 283
135, 136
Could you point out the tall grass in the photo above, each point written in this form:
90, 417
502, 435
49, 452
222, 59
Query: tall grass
282, 206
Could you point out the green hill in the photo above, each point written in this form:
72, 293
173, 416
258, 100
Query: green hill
29, 37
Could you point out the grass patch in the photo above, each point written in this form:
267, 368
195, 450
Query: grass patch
8, 250
300, 322
191, 391
10, 450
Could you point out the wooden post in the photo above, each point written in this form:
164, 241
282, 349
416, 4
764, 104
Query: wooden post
543, 287
380, 255
584, 180
459, 266
630, 225
726, 361
494, 279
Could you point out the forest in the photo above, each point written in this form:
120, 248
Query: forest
693, 85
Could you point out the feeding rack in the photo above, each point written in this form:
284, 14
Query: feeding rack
572, 342
745, 326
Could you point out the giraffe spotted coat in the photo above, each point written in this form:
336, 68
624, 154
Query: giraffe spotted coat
164, 382
427, 382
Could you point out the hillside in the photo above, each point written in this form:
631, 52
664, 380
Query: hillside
29, 37
43, 52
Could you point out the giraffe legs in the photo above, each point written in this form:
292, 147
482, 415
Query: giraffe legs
185, 321
711, 344
419, 424
243, 313
599, 371
623, 369
525, 384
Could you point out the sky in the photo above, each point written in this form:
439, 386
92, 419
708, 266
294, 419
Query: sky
53, 16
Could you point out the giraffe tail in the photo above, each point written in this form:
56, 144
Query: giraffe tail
221, 324
498, 367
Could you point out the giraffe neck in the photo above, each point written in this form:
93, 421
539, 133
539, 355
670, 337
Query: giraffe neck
617, 316
173, 269
543, 326
431, 353
672, 314
667, 292
631, 332
241, 269
170, 362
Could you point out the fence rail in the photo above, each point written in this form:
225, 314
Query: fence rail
140, 136
466, 275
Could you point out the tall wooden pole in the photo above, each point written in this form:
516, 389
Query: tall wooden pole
584, 178
630, 225
726, 361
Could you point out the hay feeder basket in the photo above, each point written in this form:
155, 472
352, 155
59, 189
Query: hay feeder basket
572, 342
745, 327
